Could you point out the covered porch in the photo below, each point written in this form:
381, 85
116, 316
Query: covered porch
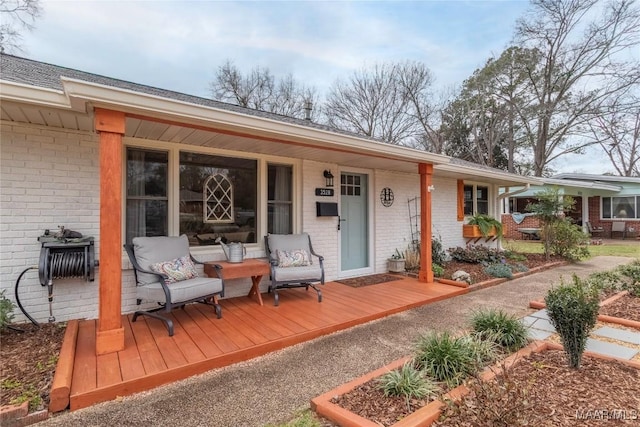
202, 342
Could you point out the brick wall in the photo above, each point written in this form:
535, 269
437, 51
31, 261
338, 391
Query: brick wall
510, 227
594, 218
48, 178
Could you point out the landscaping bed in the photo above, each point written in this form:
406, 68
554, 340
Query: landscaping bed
28, 359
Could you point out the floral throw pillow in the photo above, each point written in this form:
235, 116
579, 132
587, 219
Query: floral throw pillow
294, 258
177, 269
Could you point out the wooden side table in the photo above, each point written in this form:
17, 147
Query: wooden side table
252, 267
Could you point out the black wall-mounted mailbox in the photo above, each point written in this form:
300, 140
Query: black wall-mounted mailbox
326, 209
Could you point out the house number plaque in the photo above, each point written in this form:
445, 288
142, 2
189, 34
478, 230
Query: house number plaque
386, 197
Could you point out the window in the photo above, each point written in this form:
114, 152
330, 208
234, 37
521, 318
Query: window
621, 207
146, 194
476, 199
209, 179
279, 199
204, 196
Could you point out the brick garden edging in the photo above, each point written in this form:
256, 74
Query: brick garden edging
426, 415
422, 417
539, 305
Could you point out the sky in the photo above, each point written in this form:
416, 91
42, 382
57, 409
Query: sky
179, 45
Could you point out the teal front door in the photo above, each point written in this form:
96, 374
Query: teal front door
354, 222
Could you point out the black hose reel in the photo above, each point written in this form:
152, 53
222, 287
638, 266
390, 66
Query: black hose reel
65, 255
65, 259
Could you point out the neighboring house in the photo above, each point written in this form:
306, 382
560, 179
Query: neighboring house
113, 160
601, 200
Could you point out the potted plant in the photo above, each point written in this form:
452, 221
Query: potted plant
481, 225
396, 262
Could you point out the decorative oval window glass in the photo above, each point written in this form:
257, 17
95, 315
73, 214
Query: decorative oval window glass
218, 199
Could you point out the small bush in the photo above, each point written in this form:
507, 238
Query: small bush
632, 273
499, 270
445, 358
503, 329
408, 382
605, 281
438, 255
514, 256
476, 254
568, 241
6, 310
573, 311
438, 270
483, 351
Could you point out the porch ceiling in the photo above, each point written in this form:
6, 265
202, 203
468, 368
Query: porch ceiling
319, 147
152, 130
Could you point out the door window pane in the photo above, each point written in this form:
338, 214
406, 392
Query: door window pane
146, 188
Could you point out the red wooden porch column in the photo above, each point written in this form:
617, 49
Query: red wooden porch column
110, 334
426, 173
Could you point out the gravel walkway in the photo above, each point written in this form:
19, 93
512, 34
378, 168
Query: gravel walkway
272, 388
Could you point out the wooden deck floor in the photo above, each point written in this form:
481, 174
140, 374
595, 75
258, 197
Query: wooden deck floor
202, 342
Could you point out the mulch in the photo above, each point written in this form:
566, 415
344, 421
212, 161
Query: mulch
374, 279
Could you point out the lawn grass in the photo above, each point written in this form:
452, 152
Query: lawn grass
609, 248
306, 418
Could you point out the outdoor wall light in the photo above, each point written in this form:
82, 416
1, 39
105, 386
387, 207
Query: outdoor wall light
328, 176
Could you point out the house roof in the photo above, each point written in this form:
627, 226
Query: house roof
596, 178
154, 113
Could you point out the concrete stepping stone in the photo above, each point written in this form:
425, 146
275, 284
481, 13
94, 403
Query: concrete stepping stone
610, 349
618, 334
538, 334
538, 323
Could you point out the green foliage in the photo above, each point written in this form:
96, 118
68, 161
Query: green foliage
573, 310
397, 255
437, 269
30, 395
6, 310
514, 256
10, 384
445, 358
567, 240
632, 273
550, 204
438, 255
408, 382
499, 270
476, 254
485, 223
504, 270
499, 327
483, 351
605, 281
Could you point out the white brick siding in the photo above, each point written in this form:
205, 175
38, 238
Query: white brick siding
50, 177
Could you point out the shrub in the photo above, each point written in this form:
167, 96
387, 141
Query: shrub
445, 358
573, 310
568, 241
438, 255
476, 254
6, 310
514, 256
408, 382
499, 270
632, 272
483, 351
501, 328
438, 270
605, 281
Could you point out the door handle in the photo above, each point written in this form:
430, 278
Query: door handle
339, 221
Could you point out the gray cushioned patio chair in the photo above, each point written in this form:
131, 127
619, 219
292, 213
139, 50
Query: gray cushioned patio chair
153, 286
293, 277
